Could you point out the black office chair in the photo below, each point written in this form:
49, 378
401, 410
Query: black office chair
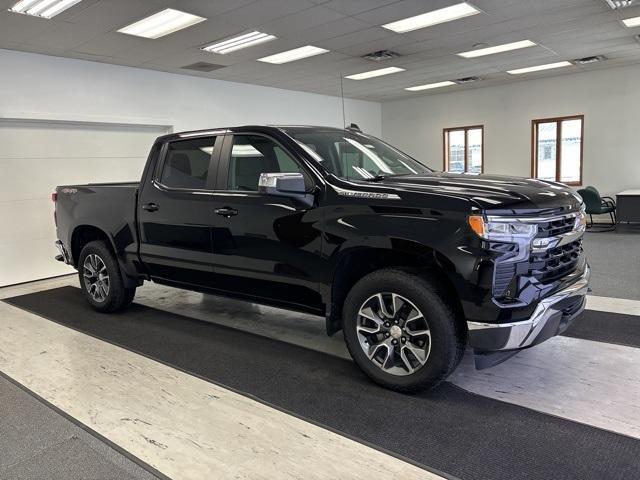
595, 204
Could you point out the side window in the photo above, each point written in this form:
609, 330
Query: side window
252, 155
186, 164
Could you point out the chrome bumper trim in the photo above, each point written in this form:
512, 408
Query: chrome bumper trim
517, 335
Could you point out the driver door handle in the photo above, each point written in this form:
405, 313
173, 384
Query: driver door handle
150, 207
226, 212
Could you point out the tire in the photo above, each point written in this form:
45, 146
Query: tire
104, 290
418, 352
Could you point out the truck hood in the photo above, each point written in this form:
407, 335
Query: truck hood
498, 193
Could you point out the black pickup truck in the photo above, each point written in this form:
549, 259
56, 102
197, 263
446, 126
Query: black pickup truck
413, 265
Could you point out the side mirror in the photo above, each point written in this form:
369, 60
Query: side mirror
285, 185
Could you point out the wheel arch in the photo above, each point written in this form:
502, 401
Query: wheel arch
357, 261
83, 234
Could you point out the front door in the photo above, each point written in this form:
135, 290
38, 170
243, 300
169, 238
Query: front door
264, 246
175, 212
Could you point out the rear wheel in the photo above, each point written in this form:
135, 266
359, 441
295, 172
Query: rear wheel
400, 332
100, 278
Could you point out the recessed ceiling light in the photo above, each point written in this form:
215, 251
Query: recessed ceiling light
374, 73
162, 23
537, 68
43, 8
631, 22
498, 49
447, 14
236, 43
292, 55
429, 86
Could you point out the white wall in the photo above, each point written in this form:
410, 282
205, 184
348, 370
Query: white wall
73, 121
609, 99
40, 86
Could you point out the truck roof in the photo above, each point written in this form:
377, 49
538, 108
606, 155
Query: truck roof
252, 128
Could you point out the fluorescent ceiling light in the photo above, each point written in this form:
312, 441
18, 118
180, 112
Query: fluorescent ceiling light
292, 55
498, 49
374, 73
537, 68
162, 23
429, 86
236, 43
447, 14
631, 22
43, 8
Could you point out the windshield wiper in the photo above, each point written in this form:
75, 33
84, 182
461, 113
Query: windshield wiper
376, 178
379, 177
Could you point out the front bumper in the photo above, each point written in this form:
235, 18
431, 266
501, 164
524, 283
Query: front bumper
494, 343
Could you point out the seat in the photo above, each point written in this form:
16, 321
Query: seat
595, 204
606, 199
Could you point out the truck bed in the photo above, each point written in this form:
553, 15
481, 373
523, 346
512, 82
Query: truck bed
83, 209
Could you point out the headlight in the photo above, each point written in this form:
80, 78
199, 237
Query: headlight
506, 230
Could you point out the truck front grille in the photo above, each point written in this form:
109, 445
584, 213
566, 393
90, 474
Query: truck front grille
556, 262
557, 226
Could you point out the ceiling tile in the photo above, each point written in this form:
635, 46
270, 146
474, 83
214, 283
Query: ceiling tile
257, 13
305, 19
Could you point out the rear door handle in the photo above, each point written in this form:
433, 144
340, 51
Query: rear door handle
226, 212
150, 207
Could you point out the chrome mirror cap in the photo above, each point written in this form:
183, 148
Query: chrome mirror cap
285, 184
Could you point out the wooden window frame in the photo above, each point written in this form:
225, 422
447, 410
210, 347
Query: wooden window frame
445, 146
534, 146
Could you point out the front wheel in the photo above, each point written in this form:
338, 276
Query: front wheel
100, 279
400, 331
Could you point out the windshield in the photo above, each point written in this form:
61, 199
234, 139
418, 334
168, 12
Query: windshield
354, 156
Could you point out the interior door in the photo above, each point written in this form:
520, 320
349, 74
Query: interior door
264, 246
175, 212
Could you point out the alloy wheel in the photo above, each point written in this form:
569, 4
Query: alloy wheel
96, 278
393, 333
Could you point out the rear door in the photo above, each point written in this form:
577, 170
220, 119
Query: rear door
264, 246
175, 211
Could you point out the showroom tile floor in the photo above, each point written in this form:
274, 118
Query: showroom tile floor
38, 442
186, 427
